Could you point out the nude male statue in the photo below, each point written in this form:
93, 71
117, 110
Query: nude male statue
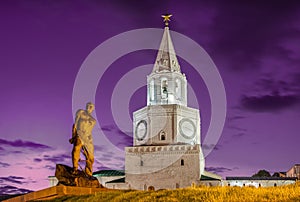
82, 138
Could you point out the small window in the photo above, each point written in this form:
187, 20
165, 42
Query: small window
177, 185
275, 185
142, 163
182, 162
162, 135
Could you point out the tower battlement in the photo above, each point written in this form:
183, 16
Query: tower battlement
162, 148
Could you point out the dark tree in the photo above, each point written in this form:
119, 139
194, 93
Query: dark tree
262, 173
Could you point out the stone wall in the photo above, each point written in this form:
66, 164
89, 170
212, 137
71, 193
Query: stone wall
162, 167
122, 186
257, 183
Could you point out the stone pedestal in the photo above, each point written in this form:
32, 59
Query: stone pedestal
65, 177
55, 192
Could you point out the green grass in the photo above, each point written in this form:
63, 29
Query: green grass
211, 194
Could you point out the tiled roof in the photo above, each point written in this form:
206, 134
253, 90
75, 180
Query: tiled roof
204, 177
109, 173
261, 178
120, 180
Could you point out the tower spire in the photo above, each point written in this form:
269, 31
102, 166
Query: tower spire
166, 59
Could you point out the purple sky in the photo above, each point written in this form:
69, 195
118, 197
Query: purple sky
255, 46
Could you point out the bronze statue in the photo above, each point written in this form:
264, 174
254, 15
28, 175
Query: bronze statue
82, 139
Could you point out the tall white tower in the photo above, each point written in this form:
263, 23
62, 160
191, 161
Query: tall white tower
166, 150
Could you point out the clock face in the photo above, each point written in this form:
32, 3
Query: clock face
187, 128
141, 130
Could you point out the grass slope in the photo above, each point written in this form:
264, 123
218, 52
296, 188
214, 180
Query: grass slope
235, 194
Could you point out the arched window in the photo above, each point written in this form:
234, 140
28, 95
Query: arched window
178, 88
162, 135
142, 163
164, 88
152, 89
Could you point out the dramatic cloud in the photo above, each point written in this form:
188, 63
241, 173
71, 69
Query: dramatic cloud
245, 44
13, 179
23, 144
8, 190
4, 165
57, 158
49, 167
218, 169
269, 103
269, 94
270, 84
37, 160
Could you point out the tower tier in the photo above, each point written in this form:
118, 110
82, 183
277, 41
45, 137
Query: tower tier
166, 124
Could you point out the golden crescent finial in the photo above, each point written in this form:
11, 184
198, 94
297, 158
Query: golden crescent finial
166, 18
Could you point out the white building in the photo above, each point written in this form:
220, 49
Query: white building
258, 181
294, 171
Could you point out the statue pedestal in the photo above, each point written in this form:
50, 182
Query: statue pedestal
55, 192
65, 177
